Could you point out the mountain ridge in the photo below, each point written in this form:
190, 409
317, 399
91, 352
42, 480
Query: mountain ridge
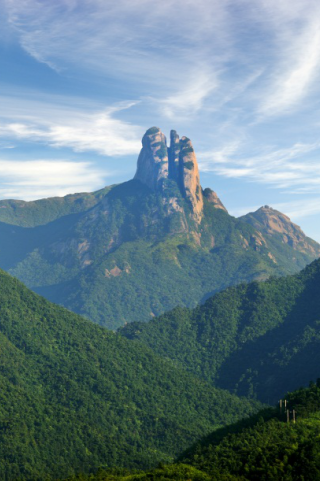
140, 248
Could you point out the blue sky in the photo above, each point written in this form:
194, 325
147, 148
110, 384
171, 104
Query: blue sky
81, 81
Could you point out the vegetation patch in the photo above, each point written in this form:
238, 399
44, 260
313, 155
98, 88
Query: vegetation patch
152, 130
188, 165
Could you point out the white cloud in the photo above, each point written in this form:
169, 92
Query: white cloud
296, 166
103, 30
155, 47
207, 160
31, 180
296, 74
61, 126
184, 54
191, 98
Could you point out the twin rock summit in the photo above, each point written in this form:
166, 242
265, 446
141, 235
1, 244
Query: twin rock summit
158, 163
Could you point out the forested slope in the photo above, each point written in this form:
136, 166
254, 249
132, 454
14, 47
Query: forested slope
75, 396
262, 448
257, 339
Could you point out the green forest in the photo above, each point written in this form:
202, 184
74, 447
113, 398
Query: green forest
259, 339
263, 447
74, 396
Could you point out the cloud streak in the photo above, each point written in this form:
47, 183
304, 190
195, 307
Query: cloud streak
70, 127
294, 167
158, 46
191, 98
31, 180
296, 74
160, 49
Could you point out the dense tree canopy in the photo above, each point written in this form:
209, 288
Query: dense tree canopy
261, 448
75, 396
255, 339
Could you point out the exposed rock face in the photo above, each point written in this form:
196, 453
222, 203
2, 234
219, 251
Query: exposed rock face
156, 163
272, 222
153, 165
189, 177
213, 198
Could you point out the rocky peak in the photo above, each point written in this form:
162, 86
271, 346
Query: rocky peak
153, 166
274, 223
213, 198
156, 163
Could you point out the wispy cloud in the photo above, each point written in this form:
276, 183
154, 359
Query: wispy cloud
157, 47
191, 98
30, 180
296, 166
185, 55
209, 159
295, 75
182, 53
71, 127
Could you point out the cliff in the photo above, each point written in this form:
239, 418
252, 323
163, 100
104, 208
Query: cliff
152, 168
157, 163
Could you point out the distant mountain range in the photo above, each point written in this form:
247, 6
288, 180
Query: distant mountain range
135, 250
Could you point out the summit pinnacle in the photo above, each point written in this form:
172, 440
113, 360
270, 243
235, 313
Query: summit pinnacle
157, 163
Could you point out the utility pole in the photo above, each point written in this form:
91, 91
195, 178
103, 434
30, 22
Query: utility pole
294, 414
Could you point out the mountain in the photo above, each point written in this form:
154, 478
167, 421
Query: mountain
258, 339
75, 396
263, 447
140, 248
277, 226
